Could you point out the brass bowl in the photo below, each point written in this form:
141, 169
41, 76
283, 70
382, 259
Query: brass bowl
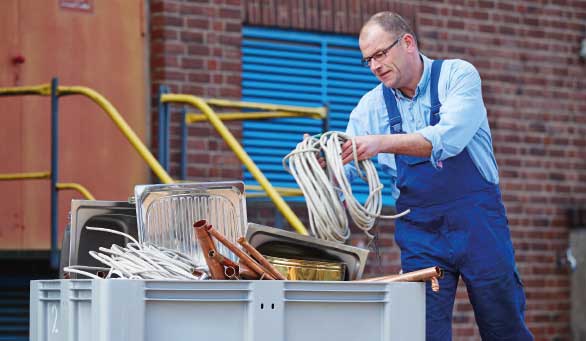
308, 270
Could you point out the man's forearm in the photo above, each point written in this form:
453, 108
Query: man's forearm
407, 144
368, 146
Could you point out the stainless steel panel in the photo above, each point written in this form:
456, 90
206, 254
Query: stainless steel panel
115, 215
166, 214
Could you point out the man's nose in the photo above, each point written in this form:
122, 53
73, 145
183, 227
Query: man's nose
375, 65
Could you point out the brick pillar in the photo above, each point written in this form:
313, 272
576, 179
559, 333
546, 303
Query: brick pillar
195, 49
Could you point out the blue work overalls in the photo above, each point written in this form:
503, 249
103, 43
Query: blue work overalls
457, 222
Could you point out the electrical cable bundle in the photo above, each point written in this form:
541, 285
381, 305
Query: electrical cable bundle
327, 216
322, 192
140, 261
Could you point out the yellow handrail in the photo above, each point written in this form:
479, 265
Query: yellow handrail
317, 112
283, 191
122, 125
80, 188
241, 154
25, 176
204, 106
229, 116
45, 90
42, 90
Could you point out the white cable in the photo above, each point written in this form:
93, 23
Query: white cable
326, 211
140, 261
327, 216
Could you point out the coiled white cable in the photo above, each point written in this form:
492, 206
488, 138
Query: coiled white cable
140, 261
327, 217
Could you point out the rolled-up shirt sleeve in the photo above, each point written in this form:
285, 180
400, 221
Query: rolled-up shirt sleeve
461, 114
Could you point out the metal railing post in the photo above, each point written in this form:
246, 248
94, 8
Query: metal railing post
163, 129
325, 123
54, 261
184, 137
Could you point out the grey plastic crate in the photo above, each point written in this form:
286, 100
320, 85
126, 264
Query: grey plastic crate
137, 310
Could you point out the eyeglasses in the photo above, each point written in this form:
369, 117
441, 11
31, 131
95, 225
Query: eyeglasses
380, 54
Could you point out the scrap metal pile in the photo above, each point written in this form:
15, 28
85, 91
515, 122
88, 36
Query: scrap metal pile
198, 231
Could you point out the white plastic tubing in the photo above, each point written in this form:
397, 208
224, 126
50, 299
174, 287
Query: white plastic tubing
322, 191
139, 261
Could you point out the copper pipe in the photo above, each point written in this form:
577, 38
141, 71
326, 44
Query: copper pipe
244, 258
435, 287
231, 272
414, 276
260, 258
197, 273
225, 261
206, 243
245, 273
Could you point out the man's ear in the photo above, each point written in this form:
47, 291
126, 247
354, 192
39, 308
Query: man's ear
409, 41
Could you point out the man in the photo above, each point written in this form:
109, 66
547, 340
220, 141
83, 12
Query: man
427, 123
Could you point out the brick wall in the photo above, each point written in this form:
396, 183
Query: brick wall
195, 49
533, 83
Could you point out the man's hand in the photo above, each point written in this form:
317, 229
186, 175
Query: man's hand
367, 147
320, 159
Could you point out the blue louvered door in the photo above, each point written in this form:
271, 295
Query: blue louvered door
14, 308
305, 69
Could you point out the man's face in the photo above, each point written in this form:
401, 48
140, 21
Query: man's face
385, 63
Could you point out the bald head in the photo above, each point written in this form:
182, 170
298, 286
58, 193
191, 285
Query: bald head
390, 22
389, 48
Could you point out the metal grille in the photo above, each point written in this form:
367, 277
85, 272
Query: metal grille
14, 309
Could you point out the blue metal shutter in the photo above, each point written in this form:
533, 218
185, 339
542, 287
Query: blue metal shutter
14, 308
305, 69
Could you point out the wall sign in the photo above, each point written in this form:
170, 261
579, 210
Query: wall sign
80, 5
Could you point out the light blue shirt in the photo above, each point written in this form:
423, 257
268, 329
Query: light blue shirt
463, 122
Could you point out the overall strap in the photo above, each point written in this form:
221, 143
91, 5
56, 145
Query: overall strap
436, 68
395, 120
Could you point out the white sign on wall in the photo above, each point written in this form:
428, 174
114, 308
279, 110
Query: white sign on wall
80, 5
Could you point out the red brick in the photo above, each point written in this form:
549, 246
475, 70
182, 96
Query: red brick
191, 63
167, 20
192, 37
201, 23
199, 77
231, 13
230, 39
197, 9
162, 32
198, 50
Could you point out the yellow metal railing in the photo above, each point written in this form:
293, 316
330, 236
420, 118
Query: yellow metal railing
25, 176
77, 187
268, 111
113, 113
47, 175
214, 119
45, 90
55, 91
258, 191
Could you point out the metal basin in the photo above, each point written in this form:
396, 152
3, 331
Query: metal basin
275, 242
308, 270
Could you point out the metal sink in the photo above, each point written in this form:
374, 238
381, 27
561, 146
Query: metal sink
275, 242
78, 241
